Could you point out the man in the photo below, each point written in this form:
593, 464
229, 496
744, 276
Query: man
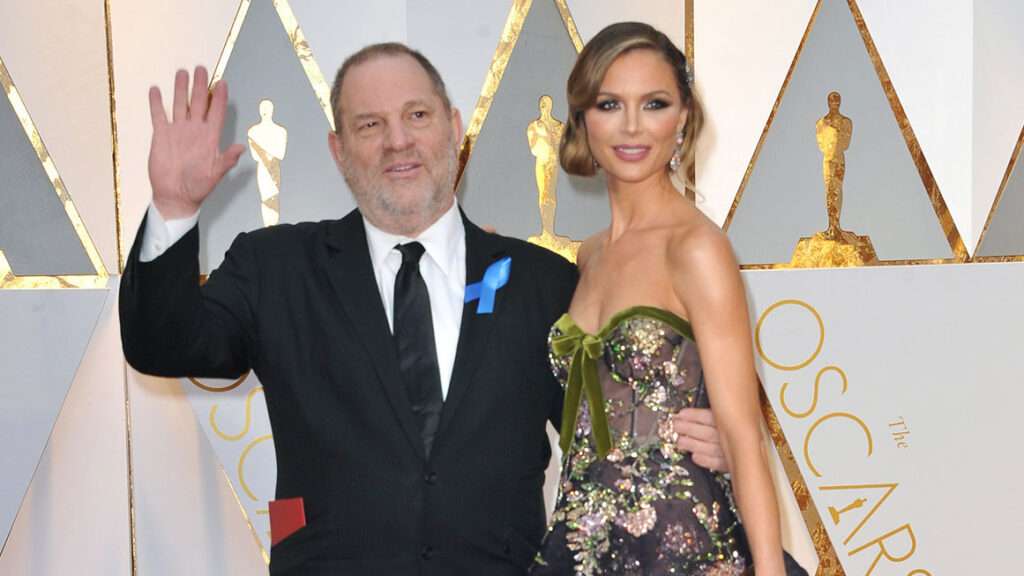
410, 424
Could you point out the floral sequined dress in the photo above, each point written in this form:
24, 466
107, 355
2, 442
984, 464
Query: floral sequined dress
630, 502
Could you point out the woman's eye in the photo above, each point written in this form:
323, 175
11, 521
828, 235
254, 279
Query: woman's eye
656, 104
606, 105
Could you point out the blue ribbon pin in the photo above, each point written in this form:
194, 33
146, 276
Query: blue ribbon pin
495, 277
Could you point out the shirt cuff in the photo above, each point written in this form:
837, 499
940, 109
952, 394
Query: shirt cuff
160, 234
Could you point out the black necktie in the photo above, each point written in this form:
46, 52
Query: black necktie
414, 341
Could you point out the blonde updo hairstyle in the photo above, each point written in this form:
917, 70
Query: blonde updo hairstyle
585, 83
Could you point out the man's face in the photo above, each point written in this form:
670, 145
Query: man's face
397, 144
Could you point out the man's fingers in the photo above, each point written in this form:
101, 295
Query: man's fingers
218, 103
698, 415
180, 112
229, 158
694, 445
200, 94
156, 107
713, 463
697, 435
703, 453
697, 430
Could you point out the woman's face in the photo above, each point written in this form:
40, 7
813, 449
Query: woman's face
632, 127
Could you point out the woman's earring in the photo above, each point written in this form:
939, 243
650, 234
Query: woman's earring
677, 155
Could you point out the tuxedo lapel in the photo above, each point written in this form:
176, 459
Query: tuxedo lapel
351, 273
475, 330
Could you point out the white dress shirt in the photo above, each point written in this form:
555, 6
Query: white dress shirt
443, 267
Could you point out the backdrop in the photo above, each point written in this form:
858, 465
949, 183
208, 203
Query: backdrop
887, 389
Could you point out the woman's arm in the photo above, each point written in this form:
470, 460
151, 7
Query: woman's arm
706, 279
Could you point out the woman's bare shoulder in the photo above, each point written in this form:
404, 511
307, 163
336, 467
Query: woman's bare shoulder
698, 240
589, 247
701, 258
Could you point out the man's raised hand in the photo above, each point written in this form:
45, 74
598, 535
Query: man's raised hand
185, 159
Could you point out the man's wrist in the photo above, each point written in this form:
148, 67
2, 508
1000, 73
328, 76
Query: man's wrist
170, 210
161, 233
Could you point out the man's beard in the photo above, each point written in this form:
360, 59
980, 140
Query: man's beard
380, 201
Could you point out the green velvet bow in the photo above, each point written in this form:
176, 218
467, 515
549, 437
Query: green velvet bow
586, 350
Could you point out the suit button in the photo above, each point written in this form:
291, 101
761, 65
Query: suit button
427, 553
430, 477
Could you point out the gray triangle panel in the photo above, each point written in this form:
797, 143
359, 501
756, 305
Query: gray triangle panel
498, 187
36, 235
1005, 234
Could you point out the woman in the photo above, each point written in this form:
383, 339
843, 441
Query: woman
658, 322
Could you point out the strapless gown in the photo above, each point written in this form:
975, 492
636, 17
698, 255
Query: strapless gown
630, 502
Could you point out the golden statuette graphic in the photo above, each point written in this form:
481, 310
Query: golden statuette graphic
836, 513
834, 247
268, 142
544, 134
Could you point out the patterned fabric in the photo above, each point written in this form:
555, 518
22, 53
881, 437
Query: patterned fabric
644, 508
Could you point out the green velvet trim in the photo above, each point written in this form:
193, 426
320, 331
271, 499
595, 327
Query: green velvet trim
586, 350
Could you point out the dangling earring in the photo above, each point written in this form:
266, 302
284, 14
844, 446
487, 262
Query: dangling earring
677, 155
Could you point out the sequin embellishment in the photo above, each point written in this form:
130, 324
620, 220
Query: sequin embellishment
645, 507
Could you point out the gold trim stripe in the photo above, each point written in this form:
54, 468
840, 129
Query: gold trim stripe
570, 24
688, 36
252, 529
8, 278
115, 154
1014, 158
305, 55
119, 231
502, 54
130, 464
229, 43
690, 42
906, 262
828, 561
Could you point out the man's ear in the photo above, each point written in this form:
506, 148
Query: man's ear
457, 126
334, 142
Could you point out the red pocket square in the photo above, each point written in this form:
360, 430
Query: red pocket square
286, 517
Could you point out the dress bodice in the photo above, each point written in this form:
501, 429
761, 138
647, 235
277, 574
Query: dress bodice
646, 365
631, 502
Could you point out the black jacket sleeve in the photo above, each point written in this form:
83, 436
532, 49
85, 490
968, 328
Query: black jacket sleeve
172, 326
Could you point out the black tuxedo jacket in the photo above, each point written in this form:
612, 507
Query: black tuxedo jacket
299, 305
